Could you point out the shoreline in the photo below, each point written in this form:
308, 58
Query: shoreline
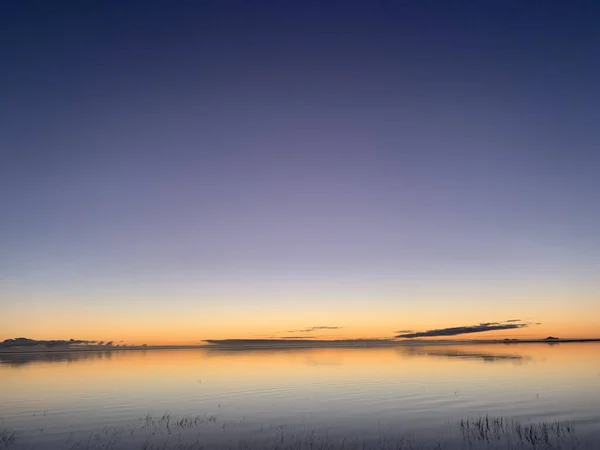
241, 344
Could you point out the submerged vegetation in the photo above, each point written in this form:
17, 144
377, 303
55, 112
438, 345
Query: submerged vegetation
536, 435
7, 437
168, 432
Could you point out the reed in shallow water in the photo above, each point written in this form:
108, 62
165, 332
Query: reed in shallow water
168, 432
7, 437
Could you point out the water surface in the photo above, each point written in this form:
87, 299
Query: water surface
58, 400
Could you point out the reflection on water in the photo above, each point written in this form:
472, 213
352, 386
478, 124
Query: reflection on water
349, 391
18, 359
485, 356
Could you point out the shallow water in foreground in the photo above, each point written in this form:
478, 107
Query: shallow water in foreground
313, 398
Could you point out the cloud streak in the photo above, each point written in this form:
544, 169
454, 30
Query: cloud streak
311, 329
468, 329
297, 337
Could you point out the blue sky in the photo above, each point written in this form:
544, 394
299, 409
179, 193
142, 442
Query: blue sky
291, 157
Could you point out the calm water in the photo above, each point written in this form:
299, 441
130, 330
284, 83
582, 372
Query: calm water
126, 398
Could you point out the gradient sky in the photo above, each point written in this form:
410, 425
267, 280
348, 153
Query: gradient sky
175, 171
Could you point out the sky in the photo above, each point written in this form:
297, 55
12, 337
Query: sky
173, 172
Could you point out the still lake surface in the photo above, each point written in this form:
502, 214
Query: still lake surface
124, 399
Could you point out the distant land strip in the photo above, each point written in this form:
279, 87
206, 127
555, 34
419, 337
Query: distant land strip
248, 344
368, 343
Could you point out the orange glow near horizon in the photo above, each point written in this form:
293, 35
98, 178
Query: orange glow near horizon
182, 321
178, 336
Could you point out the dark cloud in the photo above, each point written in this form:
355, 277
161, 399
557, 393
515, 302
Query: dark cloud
404, 331
25, 342
513, 320
455, 331
310, 329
